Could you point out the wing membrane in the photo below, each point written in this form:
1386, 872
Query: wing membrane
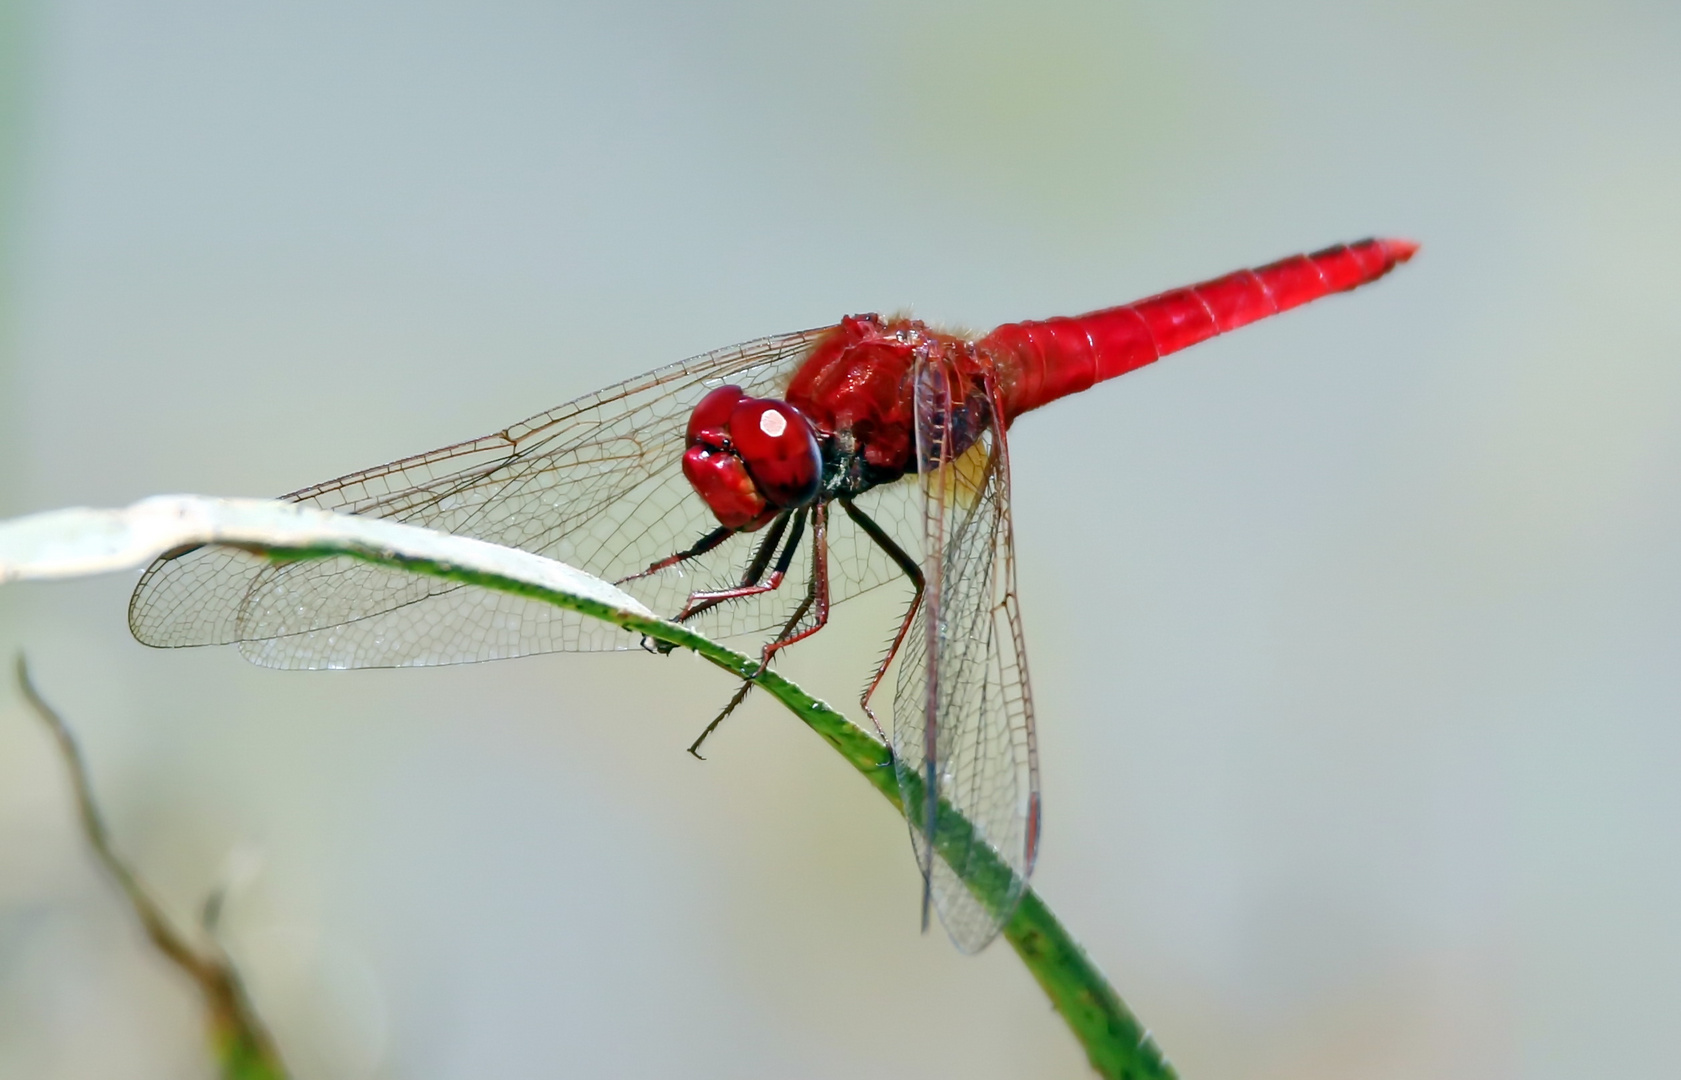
963, 735
596, 483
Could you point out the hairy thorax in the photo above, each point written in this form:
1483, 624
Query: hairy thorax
856, 390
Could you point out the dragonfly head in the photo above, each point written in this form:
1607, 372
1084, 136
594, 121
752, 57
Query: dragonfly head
751, 458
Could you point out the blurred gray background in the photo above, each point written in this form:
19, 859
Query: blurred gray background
1353, 633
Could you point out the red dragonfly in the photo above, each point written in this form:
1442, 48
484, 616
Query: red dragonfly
723, 472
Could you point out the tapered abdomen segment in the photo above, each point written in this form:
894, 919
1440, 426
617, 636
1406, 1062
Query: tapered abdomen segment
1043, 361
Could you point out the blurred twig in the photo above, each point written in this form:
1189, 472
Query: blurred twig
242, 1044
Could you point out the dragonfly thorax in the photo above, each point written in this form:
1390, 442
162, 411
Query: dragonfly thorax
855, 388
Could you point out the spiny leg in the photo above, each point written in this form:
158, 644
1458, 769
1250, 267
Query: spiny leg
767, 548
749, 580
755, 569
747, 683
910, 569
817, 596
740, 696
701, 547
701, 601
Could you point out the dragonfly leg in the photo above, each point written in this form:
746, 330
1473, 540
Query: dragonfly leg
817, 595
747, 683
750, 586
908, 567
701, 547
766, 549
755, 569
740, 696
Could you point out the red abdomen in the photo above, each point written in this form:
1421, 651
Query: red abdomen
1038, 362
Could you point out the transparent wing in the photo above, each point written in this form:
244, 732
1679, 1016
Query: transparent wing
596, 483
963, 719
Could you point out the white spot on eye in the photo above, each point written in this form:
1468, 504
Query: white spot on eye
772, 423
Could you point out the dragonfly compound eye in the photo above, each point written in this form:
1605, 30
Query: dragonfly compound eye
722, 480
709, 424
780, 450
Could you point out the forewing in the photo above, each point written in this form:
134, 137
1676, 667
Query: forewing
596, 483
963, 736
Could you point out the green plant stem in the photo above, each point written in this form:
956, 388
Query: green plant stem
1116, 1044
